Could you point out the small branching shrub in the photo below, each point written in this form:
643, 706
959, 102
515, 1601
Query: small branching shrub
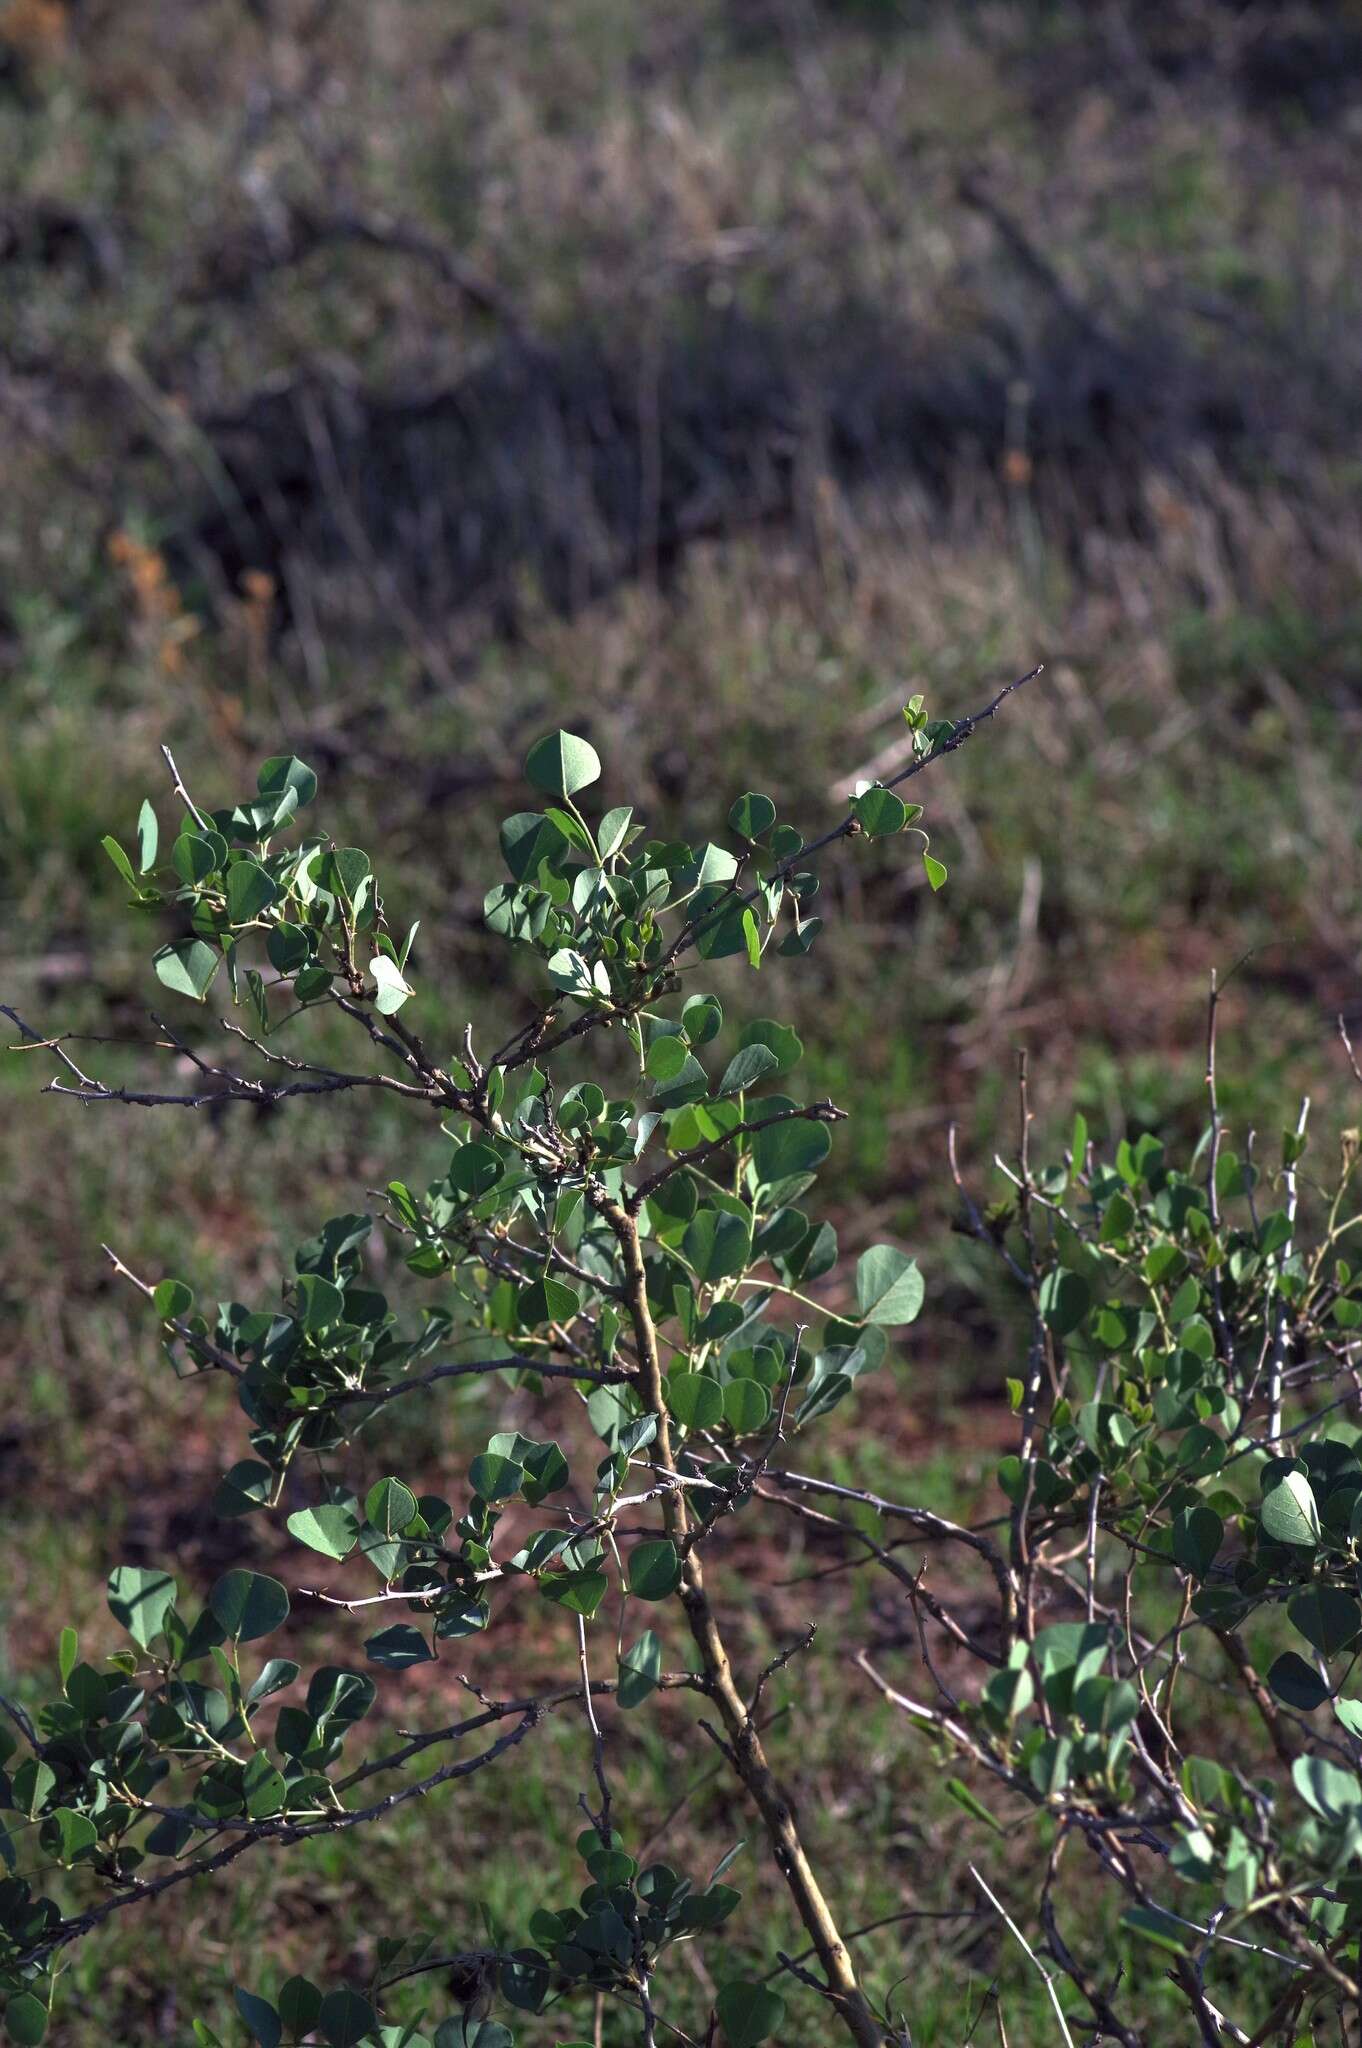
1184, 1487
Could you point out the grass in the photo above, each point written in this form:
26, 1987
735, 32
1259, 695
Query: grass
1177, 793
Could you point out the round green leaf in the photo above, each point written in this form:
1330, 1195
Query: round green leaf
69, 1833
639, 1670
390, 1506
345, 2018
1327, 1617
300, 2003
879, 812
1334, 1794
786, 1150
473, 1170
546, 1301
1289, 1514
717, 1244
581, 1592
495, 1478
783, 1044
286, 771
1297, 1682
196, 855
747, 1406
889, 1286
749, 2013
173, 1300
26, 2020
187, 968
1198, 1533
262, 2019
139, 1601
752, 1063
696, 1400
248, 1604
399, 1647
752, 815
249, 891
655, 1570
562, 764
331, 1529
1065, 1299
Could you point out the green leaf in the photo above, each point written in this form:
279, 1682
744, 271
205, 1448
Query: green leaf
889, 1287
959, 1791
1157, 1927
148, 837
639, 1670
262, 2019
1289, 1514
495, 1478
69, 1834
393, 987
581, 1592
1065, 1299
752, 816
614, 830
474, 1170
1198, 1533
880, 813
688, 1083
1333, 1794
32, 1786
26, 2020
562, 764
283, 772
748, 1066
753, 937
173, 1300
716, 1244
345, 2018
331, 1529
666, 1056
249, 891
300, 2003
68, 1649
1297, 1682
787, 1150
248, 1604
783, 1044
187, 968
287, 947
749, 2013
322, 1302
546, 1301
399, 1647
197, 855
654, 1570
747, 1406
119, 859
1349, 1713
696, 1400
390, 1506
935, 871
1327, 1617
139, 1601
272, 1678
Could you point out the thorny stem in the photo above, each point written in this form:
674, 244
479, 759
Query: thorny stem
743, 1743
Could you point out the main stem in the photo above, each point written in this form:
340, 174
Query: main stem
744, 1743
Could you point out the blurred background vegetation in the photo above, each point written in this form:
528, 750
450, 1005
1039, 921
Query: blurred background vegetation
389, 380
